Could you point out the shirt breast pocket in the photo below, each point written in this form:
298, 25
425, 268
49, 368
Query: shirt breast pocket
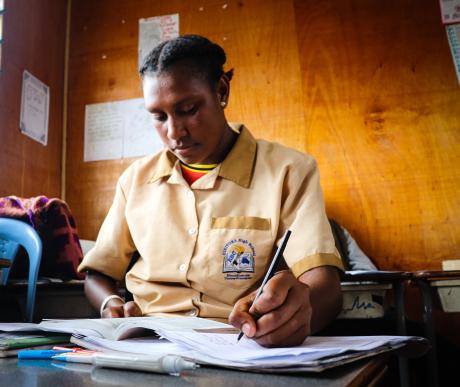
240, 249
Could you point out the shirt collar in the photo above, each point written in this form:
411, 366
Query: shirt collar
239, 163
237, 166
164, 167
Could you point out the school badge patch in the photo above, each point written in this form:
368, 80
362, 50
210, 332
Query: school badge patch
238, 259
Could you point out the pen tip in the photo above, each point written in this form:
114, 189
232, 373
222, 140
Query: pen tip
240, 336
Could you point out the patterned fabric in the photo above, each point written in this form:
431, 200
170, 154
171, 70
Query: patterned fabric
53, 221
192, 172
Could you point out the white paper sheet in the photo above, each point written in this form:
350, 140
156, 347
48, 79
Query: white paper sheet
155, 30
35, 101
18, 327
114, 328
121, 129
226, 346
142, 345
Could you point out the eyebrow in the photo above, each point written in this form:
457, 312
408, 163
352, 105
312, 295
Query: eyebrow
180, 102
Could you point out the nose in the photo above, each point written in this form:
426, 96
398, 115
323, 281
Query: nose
176, 128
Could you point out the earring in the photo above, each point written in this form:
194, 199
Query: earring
223, 103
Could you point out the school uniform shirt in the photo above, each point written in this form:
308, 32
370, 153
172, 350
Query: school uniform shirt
203, 247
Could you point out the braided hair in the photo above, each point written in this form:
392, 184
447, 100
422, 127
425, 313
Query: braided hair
203, 58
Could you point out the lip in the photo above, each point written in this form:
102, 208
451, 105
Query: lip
184, 150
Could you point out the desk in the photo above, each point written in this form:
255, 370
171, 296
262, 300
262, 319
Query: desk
47, 373
426, 280
395, 280
53, 300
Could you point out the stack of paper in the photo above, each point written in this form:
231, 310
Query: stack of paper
315, 354
213, 343
12, 342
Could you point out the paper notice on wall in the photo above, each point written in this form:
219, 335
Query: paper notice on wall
453, 36
121, 129
450, 11
155, 30
35, 100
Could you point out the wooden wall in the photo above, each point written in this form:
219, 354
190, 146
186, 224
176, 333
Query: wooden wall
103, 63
367, 87
34, 40
382, 115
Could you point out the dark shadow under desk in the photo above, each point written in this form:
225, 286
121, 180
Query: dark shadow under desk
394, 280
47, 373
427, 282
53, 300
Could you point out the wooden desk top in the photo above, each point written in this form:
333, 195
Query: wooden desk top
436, 275
380, 276
25, 373
390, 276
4, 263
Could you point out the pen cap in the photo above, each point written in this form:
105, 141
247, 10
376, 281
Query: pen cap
175, 364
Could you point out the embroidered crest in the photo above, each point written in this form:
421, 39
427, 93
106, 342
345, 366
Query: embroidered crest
238, 258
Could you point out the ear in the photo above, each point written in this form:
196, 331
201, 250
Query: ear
223, 89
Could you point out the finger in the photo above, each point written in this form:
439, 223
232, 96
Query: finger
274, 319
298, 298
274, 293
113, 312
131, 309
293, 332
240, 317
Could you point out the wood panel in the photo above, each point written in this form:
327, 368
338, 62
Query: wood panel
259, 38
34, 40
367, 87
381, 104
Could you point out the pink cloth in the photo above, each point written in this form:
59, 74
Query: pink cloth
54, 223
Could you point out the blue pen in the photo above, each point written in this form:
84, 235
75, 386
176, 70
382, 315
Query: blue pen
40, 353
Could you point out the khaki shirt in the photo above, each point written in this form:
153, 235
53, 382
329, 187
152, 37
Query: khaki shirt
204, 246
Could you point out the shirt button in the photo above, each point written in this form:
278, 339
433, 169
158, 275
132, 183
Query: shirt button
191, 231
182, 267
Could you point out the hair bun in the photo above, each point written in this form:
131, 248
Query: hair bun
205, 57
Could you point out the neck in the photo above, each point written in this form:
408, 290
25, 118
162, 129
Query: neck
228, 140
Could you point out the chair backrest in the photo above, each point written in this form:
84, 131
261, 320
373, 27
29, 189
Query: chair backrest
12, 234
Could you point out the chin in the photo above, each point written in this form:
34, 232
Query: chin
189, 160
193, 159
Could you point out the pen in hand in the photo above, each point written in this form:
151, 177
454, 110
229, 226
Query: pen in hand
271, 271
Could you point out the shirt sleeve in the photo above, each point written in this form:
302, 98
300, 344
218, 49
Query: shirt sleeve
311, 243
114, 247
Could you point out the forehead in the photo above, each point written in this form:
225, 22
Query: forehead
172, 87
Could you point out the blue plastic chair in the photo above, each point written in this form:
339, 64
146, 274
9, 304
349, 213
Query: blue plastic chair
12, 234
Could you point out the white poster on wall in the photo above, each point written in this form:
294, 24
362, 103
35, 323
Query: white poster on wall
121, 129
453, 36
35, 100
155, 30
450, 11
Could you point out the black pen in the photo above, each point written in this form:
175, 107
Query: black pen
271, 270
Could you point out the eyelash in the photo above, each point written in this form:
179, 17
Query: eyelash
163, 117
192, 110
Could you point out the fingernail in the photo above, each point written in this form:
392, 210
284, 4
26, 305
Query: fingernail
246, 328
